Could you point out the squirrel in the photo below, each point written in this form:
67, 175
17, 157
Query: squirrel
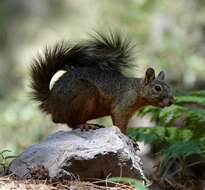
94, 84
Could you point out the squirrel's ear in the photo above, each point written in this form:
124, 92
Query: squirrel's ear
161, 75
149, 76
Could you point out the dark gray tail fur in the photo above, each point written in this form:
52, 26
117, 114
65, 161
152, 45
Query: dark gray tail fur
106, 52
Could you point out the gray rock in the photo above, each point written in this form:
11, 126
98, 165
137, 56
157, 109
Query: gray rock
85, 155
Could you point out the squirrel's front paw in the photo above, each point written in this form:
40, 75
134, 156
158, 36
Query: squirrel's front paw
90, 126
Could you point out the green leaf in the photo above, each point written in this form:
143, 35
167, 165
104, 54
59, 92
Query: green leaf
190, 99
166, 135
126, 180
183, 149
9, 157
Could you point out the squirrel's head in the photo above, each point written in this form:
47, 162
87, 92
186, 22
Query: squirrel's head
155, 90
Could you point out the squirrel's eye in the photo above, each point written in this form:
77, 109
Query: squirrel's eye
158, 88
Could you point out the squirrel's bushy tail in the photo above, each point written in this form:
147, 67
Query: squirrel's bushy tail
43, 69
107, 52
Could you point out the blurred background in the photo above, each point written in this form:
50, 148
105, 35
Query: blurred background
170, 36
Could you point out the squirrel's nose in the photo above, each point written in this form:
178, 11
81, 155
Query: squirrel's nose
170, 102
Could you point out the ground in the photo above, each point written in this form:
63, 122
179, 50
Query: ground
9, 183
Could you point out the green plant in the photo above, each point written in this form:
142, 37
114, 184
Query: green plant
129, 181
180, 128
5, 160
179, 140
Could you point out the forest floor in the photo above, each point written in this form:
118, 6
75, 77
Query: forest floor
9, 183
